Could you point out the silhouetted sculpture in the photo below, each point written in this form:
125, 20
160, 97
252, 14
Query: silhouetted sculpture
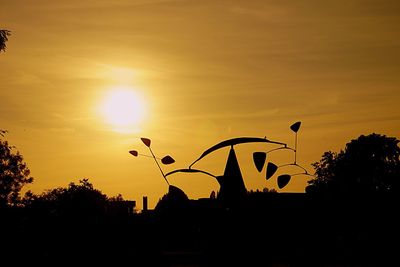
232, 188
174, 200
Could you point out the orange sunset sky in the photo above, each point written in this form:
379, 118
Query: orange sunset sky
193, 73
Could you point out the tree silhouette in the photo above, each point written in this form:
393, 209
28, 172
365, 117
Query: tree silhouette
14, 173
78, 200
3, 39
368, 164
76, 223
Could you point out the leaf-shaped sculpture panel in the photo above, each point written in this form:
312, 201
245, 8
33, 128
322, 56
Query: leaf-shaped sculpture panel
146, 141
134, 153
295, 126
259, 160
167, 160
271, 169
283, 180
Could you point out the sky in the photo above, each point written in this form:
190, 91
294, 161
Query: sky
197, 73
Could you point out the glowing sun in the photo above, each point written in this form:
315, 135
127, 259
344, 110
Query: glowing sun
123, 108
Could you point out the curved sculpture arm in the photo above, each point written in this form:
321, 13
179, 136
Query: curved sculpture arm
295, 164
279, 148
235, 141
190, 171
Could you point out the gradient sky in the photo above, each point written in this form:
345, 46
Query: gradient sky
206, 71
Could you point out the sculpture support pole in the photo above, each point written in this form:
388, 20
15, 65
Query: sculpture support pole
295, 148
159, 167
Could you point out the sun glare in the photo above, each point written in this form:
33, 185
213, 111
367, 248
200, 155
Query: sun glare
124, 109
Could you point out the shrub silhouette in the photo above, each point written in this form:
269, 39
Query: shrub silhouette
14, 173
3, 39
368, 164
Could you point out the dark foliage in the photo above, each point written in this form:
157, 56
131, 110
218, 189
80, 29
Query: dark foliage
268, 229
3, 39
368, 164
74, 226
78, 224
81, 200
14, 174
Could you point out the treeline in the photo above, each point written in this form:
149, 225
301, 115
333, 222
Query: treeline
65, 225
347, 217
289, 229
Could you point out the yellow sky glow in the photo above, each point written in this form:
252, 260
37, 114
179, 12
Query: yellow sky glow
124, 109
206, 70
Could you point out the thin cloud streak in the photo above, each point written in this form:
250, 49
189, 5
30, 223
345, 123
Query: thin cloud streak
209, 70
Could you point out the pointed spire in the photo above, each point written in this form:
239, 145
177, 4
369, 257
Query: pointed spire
232, 185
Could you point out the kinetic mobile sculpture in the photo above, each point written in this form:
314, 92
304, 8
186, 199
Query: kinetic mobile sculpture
231, 182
